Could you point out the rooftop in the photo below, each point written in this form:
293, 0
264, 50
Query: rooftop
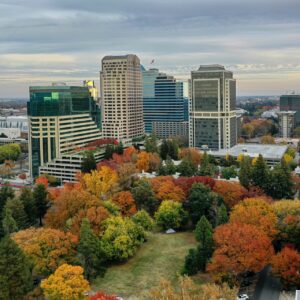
275, 152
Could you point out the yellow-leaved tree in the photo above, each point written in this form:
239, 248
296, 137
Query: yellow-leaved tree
67, 282
101, 183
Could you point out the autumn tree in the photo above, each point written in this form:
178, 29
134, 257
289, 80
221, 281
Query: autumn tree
127, 175
204, 235
245, 172
286, 265
125, 202
121, 238
267, 139
143, 219
15, 271
240, 248
256, 212
90, 251
170, 214
143, 161
67, 282
101, 183
192, 155
231, 192
42, 179
40, 200
144, 196
154, 162
167, 190
47, 248
102, 296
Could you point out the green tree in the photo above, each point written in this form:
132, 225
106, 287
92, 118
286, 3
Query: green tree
6, 192
26, 197
206, 168
151, 143
200, 200
109, 151
245, 172
169, 166
119, 148
15, 271
260, 173
40, 199
143, 219
170, 214
144, 196
229, 172
222, 215
173, 149
186, 168
88, 162
18, 213
164, 149
204, 235
90, 251
9, 224
191, 263
280, 184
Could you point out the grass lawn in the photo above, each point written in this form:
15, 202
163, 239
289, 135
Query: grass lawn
162, 256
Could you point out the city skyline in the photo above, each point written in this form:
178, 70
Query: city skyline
46, 41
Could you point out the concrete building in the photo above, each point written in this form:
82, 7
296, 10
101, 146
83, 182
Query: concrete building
165, 107
62, 119
271, 153
121, 97
291, 103
19, 122
286, 123
213, 120
90, 84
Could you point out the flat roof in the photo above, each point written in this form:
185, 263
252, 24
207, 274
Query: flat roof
275, 152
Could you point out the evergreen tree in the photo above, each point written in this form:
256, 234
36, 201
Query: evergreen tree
170, 167
280, 185
88, 163
173, 149
119, 148
6, 192
164, 149
200, 200
186, 168
18, 213
15, 271
245, 172
204, 235
109, 151
9, 224
191, 263
222, 216
90, 252
151, 143
260, 173
26, 198
162, 170
40, 199
206, 168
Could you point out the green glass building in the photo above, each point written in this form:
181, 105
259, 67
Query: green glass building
61, 119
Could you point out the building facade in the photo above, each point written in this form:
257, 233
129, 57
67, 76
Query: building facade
121, 97
61, 119
165, 107
213, 120
286, 123
291, 103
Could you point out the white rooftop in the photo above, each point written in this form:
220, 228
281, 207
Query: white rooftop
253, 150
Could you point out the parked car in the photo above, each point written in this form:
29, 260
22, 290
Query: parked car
243, 297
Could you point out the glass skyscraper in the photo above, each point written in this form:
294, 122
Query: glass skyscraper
61, 119
164, 105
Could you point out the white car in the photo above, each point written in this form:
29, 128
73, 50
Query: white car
243, 297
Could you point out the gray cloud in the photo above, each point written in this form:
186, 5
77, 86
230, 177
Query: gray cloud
41, 41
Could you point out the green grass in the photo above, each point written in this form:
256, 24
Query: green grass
162, 256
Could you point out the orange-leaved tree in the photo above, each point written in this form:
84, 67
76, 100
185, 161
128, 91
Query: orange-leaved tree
42, 180
143, 161
67, 282
286, 265
47, 248
102, 296
232, 192
256, 212
125, 202
240, 248
191, 154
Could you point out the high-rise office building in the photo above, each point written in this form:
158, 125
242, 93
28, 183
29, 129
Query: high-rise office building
165, 107
286, 123
121, 97
62, 119
291, 103
213, 121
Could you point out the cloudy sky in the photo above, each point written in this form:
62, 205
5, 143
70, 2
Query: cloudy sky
42, 41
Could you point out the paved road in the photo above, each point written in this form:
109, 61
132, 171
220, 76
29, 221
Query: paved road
268, 287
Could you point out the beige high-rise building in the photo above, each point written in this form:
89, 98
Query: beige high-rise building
121, 96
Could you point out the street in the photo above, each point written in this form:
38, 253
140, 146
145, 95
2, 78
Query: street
268, 287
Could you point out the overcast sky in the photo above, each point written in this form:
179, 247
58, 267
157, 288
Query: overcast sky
42, 41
